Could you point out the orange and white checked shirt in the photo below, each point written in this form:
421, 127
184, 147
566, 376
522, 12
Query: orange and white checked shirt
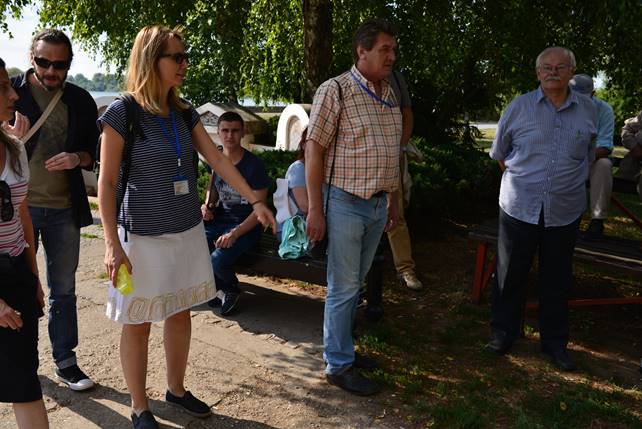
366, 131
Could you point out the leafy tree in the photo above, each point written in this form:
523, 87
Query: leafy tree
13, 71
459, 56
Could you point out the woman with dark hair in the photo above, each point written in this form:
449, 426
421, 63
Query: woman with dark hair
158, 233
21, 296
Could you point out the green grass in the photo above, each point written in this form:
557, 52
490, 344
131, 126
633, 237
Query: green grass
488, 133
88, 235
437, 375
93, 206
576, 407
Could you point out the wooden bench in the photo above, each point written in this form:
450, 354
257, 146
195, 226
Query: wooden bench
620, 253
264, 259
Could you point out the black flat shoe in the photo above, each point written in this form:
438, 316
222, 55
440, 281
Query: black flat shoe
189, 403
560, 358
146, 420
352, 381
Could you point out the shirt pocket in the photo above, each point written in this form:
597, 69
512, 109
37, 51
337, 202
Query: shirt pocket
576, 142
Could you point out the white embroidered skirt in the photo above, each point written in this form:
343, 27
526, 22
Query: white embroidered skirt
170, 273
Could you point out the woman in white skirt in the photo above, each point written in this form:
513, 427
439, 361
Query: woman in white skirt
157, 230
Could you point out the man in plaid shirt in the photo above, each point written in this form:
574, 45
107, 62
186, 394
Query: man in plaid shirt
352, 158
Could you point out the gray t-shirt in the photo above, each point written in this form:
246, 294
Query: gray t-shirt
49, 189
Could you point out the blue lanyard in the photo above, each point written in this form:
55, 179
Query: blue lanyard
370, 93
177, 141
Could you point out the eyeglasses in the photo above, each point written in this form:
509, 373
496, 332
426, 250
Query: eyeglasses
178, 57
6, 211
57, 65
547, 68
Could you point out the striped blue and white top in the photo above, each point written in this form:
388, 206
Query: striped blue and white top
547, 152
150, 205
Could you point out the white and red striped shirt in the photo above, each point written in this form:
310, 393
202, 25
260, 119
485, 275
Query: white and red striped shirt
12, 237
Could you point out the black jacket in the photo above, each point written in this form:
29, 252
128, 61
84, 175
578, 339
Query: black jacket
82, 135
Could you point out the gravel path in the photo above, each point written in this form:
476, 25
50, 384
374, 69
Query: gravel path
261, 368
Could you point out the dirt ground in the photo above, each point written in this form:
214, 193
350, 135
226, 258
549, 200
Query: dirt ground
261, 368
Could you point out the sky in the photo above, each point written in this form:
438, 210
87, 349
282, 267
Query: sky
15, 51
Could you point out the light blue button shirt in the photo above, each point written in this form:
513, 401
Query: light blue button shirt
605, 124
547, 152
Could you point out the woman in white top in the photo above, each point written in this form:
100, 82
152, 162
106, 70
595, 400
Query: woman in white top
165, 248
21, 296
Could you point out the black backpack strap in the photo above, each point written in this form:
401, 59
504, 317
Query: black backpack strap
187, 118
132, 130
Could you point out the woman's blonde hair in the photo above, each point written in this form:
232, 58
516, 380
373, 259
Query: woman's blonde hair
143, 79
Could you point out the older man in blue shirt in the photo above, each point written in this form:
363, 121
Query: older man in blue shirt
601, 171
545, 145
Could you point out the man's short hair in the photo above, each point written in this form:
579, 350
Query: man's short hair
230, 117
54, 36
568, 52
366, 35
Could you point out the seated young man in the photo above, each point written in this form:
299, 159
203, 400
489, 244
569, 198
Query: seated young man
231, 226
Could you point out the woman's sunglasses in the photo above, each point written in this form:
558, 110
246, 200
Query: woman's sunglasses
6, 207
57, 65
178, 57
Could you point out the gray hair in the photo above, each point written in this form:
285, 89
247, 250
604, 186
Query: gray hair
568, 52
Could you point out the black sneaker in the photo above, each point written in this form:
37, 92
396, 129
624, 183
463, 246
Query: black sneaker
73, 377
189, 403
352, 381
146, 420
229, 302
217, 300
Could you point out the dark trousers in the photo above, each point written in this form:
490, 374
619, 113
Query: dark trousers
19, 349
223, 260
517, 243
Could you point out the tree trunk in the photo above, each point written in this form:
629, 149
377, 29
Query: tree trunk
317, 33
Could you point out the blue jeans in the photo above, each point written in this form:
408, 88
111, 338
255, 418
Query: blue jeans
354, 228
223, 260
61, 239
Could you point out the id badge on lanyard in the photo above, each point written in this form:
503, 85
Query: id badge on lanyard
181, 185
180, 182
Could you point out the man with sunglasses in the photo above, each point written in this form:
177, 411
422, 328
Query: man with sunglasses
545, 143
63, 144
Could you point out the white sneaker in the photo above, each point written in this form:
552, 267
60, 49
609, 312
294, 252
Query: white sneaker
411, 280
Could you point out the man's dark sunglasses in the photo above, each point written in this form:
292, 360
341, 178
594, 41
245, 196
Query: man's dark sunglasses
178, 57
58, 65
6, 208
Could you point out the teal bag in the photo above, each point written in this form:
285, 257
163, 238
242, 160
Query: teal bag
294, 240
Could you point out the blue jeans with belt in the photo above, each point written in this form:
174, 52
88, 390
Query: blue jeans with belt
354, 228
61, 240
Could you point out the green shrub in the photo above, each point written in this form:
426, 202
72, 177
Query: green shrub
453, 179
